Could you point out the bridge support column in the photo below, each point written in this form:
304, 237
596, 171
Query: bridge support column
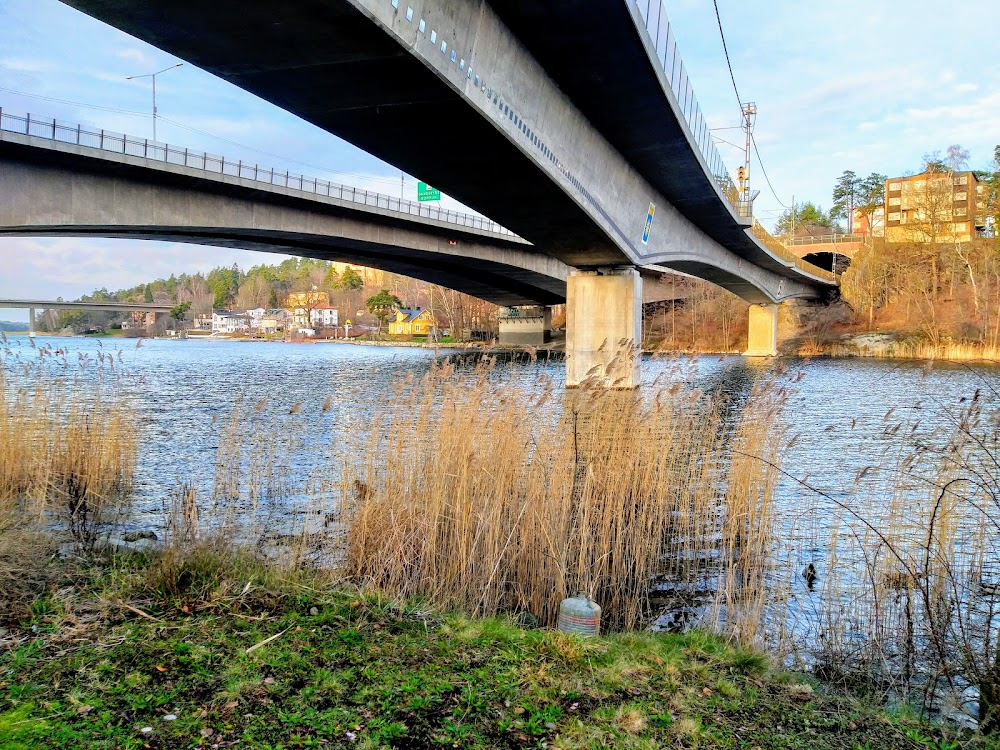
603, 328
762, 335
31, 321
526, 326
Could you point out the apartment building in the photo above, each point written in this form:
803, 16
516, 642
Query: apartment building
934, 207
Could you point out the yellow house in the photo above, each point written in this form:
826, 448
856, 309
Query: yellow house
307, 299
411, 321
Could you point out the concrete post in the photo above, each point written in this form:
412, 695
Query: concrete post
31, 321
526, 326
603, 328
762, 335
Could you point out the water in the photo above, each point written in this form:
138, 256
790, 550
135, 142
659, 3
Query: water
186, 390
842, 413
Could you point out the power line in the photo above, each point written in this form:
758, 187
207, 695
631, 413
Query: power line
739, 100
764, 172
725, 49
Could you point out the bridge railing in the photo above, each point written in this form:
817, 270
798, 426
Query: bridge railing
825, 239
654, 16
119, 143
777, 247
660, 33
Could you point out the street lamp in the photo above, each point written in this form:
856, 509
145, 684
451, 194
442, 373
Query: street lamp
153, 76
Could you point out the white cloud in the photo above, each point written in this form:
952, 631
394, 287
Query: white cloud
134, 55
27, 65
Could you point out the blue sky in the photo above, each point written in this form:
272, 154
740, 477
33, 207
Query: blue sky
847, 85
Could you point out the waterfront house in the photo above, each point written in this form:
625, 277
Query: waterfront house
412, 321
301, 304
274, 321
203, 322
230, 321
323, 316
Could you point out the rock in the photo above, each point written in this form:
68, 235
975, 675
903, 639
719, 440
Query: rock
170, 717
135, 536
313, 611
146, 730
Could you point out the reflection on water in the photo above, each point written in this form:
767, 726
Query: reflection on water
312, 401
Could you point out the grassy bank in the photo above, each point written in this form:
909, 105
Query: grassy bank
473, 490
239, 652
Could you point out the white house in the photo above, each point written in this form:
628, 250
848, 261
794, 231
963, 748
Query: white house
323, 316
226, 321
254, 317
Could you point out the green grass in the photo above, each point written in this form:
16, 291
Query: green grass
117, 646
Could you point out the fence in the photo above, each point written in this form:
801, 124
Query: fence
106, 140
660, 33
826, 239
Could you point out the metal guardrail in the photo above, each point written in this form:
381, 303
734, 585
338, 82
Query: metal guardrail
654, 16
825, 239
119, 143
775, 245
660, 33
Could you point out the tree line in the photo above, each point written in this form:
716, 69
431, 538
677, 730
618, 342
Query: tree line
269, 285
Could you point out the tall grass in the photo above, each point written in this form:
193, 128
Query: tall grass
68, 448
480, 494
908, 593
956, 351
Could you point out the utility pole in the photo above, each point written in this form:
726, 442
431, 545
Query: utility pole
153, 76
793, 215
749, 118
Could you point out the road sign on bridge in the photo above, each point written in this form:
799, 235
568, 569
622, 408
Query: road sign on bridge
426, 193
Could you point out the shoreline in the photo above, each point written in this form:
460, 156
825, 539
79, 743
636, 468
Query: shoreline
176, 648
860, 346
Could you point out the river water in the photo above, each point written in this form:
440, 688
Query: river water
186, 391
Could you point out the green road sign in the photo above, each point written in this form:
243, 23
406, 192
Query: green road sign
426, 193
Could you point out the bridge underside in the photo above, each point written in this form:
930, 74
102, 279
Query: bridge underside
357, 69
73, 196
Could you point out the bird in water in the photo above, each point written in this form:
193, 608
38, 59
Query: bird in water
810, 575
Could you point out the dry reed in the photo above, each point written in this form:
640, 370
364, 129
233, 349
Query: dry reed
68, 448
496, 498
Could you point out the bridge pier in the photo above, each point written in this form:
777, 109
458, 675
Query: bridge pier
603, 328
762, 335
31, 321
526, 326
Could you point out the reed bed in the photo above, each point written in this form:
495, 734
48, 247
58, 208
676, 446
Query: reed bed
955, 351
479, 494
907, 599
68, 447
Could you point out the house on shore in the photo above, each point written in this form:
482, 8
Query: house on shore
412, 321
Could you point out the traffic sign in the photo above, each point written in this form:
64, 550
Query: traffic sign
426, 193
649, 224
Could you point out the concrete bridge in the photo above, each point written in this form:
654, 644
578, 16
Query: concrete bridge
581, 109
42, 304
827, 250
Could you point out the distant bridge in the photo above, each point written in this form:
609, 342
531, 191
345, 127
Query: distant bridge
821, 250
582, 110
42, 304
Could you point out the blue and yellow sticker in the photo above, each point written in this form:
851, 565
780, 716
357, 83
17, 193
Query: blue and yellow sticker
649, 224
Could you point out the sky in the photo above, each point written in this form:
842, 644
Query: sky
856, 84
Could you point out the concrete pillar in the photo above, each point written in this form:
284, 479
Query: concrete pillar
526, 326
603, 328
762, 336
31, 321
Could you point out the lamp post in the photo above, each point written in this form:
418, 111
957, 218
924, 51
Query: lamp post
153, 76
